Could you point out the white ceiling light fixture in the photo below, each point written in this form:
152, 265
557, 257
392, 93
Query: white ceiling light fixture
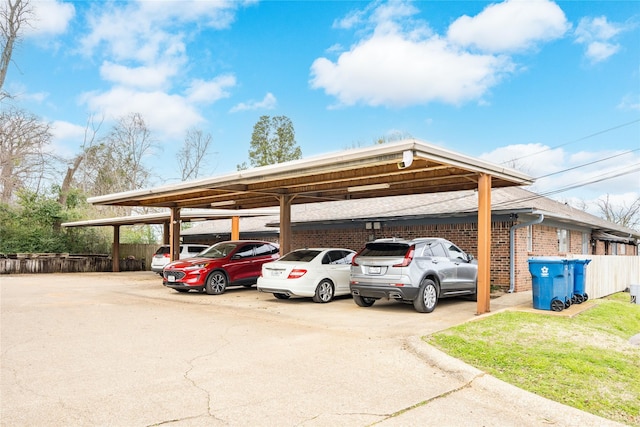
382, 186
223, 203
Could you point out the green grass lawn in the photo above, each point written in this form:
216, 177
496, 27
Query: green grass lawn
586, 361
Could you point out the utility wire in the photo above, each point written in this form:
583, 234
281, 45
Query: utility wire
588, 164
574, 141
594, 180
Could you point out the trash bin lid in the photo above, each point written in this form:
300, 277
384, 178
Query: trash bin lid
548, 260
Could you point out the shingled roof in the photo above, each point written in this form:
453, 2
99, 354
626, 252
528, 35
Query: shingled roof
450, 204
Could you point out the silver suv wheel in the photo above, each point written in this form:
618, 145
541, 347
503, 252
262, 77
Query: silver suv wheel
427, 297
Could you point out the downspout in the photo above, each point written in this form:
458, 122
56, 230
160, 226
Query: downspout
512, 249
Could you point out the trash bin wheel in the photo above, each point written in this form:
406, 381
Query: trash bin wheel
585, 297
567, 303
557, 305
579, 299
574, 299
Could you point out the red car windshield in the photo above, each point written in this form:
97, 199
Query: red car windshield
221, 250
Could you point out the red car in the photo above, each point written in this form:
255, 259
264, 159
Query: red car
232, 263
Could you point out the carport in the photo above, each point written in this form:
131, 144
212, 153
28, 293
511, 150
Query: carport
400, 168
164, 219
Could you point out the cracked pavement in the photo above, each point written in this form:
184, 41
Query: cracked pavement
118, 349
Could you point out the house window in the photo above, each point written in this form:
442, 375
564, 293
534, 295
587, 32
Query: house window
614, 248
585, 243
563, 240
623, 249
530, 238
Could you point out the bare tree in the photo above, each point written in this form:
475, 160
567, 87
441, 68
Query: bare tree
23, 161
14, 14
193, 152
88, 148
623, 214
119, 159
392, 137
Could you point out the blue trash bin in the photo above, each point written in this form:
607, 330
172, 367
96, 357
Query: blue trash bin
579, 295
550, 280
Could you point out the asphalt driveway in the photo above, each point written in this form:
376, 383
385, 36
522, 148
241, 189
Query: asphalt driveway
119, 349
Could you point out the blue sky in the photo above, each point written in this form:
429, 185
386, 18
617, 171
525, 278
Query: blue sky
554, 85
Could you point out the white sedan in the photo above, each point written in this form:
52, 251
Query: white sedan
320, 273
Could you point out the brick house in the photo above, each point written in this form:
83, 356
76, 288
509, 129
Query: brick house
524, 224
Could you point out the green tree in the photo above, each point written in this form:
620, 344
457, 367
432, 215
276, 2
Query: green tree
33, 225
273, 141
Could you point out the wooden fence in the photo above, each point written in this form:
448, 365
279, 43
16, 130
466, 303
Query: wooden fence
608, 274
133, 257
139, 251
64, 263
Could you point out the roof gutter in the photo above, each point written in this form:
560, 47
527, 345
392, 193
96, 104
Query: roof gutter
512, 249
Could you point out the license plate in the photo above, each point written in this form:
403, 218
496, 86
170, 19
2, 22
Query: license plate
276, 273
375, 270
171, 278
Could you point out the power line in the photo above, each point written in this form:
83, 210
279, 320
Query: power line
574, 141
594, 180
588, 164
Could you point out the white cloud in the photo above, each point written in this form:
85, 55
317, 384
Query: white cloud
127, 34
147, 76
532, 159
212, 90
583, 175
145, 30
630, 102
66, 139
50, 17
143, 53
390, 69
62, 130
167, 115
598, 35
20, 92
511, 26
598, 51
269, 102
401, 62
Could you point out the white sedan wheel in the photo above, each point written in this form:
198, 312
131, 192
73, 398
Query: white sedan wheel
324, 291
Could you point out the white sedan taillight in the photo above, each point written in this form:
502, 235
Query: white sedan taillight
296, 273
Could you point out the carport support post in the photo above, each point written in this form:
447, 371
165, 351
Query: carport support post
484, 243
115, 251
285, 223
165, 233
235, 228
174, 234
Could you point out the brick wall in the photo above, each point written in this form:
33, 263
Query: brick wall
464, 235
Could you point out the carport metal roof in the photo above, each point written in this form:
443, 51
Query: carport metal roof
403, 167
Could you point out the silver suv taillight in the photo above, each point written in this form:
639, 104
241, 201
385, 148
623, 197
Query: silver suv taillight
408, 257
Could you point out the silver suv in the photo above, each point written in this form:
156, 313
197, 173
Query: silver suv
419, 271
